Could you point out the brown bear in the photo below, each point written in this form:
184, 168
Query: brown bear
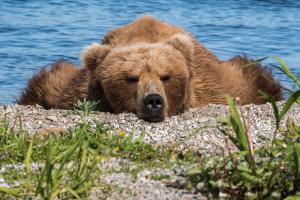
152, 69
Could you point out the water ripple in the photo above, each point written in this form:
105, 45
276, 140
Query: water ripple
35, 33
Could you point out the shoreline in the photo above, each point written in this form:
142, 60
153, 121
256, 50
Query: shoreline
196, 128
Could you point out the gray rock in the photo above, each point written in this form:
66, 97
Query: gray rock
52, 118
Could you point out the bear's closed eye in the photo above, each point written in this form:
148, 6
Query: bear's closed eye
165, 78
132, 79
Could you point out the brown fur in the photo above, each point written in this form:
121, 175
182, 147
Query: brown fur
148, 56
60, 87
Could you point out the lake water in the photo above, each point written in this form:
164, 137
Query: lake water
36, 33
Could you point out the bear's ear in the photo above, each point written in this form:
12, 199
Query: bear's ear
183, 43
93, 55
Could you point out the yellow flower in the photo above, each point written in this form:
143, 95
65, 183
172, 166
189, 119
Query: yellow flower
117, 149
103, 158
122, 133
173, 157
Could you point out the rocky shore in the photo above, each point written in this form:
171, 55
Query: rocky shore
196, 128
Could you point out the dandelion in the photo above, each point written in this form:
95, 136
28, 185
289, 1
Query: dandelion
121, 133
173, 157
117, 149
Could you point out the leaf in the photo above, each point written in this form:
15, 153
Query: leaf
65, 155
28, 160
232, 138
280, 60
9, 191
285, 69
289, 103
297, 163
294, 197
141, 137
248, 177
53, 194
73, 193
255, 62
244, 169
278, 116
83, 157
271, 99
237, 125
45, 178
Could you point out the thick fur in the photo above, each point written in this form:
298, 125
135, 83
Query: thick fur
149, 50
61, 87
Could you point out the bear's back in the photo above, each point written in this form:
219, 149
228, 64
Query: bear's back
145, 29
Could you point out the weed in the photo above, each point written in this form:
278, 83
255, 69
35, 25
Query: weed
86, 106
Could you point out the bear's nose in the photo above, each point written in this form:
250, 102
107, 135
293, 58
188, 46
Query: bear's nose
153, 103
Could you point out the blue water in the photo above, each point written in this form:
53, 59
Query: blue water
36, 33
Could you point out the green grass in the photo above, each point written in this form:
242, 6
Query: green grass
66, 165
68, 162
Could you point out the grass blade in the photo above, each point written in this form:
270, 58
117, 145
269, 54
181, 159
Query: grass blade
281, 62
255, 62
9, 191
65, 154
285, 69
293, 98
297, 164
73, 193
83, 159
271, 99
28, 160
293, 197
237, 126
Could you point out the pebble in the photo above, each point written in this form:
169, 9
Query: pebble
203, 119
52, 118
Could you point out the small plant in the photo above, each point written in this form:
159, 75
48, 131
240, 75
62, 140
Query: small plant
86, 106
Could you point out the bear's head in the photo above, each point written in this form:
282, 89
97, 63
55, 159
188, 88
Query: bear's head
151, 80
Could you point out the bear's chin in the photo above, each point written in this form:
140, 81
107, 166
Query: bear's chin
153, 119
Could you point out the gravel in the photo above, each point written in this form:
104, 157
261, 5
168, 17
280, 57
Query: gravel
196, 128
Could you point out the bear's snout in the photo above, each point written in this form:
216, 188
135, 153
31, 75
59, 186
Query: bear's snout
154, 104
153, 108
